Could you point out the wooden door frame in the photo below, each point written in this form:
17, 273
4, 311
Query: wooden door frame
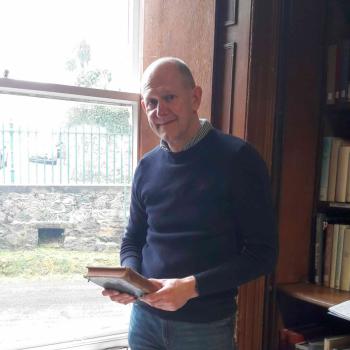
259, 122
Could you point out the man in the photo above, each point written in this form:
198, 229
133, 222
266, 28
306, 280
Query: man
201, 221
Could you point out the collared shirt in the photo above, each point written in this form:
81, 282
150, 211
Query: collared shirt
202, 132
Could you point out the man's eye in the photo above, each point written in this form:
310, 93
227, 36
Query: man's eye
152, 103
169, 98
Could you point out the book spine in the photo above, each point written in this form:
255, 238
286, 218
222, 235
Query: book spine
339, 256
326, 155
345, 271
331, 73
342, 173
328, 254
334, 255
333, 166
319, 247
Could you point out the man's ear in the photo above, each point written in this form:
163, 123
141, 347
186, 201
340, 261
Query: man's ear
196, 97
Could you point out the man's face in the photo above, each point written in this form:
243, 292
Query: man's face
171, 106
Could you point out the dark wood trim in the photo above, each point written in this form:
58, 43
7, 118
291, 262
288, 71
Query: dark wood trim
314, 294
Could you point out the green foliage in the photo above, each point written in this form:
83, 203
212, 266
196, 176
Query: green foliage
113, 119
116, 121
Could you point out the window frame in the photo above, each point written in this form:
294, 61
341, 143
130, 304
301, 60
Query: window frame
79, 94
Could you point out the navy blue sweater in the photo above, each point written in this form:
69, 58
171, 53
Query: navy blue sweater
205, 212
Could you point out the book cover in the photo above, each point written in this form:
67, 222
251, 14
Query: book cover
341, 340
321, 225
344, 69
345, 271
342, 173
334, 255
337, 142
341, 310
331, 73
348, 184
328, 255
326, 155
122, 279
338, 264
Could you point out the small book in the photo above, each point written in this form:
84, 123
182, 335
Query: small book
122, 279
341, 310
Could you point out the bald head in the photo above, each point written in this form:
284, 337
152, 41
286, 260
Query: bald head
166, 63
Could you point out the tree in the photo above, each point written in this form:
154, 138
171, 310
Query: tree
114, 119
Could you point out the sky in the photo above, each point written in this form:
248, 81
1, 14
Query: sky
38, 37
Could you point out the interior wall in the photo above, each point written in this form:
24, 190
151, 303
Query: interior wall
184, 29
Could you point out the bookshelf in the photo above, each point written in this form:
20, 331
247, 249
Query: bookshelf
311, 114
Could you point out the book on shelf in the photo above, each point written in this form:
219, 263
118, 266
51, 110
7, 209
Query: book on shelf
331, 73
338, 264
326, 155
310, 345
342, 174
344, 69
336, 341
337, 83
345, 271
321, 225
334, 255
337, 142
303, 334
122, 279
328, 254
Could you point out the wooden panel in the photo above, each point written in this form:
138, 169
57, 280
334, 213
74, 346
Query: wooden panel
225, 109
229, 32
184, 29
301, 124
318, 295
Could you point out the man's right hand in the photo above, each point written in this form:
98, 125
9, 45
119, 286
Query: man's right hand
118, 297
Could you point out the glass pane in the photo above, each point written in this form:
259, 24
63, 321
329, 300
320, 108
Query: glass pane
84, 43
71, 163
58, 142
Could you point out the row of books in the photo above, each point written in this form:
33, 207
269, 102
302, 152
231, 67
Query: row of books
338, 72
332, 253
312, 337
335, 170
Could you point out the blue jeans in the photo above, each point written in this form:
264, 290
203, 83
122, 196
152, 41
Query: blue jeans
149, 332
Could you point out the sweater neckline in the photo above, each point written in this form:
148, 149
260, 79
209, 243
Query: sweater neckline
191, 153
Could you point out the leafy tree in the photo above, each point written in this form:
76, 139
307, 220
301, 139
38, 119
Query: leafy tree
115, 120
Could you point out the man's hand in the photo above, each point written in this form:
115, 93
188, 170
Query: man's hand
173, 294
118, 297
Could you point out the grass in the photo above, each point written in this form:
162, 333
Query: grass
46, 261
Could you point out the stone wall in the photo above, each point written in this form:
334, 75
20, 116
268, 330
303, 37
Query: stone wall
90, 217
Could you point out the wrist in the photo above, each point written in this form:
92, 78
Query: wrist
191, 286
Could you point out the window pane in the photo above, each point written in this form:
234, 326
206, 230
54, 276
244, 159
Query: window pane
84, 43
54, 142
71, 164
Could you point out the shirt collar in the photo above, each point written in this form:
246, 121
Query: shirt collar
202, 132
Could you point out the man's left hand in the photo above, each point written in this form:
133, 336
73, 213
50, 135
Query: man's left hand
173, 294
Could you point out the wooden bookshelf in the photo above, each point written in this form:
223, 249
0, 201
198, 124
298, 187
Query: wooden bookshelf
314, 294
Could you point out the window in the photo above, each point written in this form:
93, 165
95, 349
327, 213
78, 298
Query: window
68, 126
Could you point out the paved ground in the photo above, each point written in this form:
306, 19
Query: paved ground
39, 312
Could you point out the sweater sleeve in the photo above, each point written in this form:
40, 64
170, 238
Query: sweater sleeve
256, 228
135, 234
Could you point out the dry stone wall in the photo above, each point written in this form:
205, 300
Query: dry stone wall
90, 217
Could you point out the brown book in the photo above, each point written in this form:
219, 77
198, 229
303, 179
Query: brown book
345, 271
122, 279
328, 255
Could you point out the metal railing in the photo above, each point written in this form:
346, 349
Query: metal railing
77, 155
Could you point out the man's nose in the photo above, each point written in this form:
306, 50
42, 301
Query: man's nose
162, 109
